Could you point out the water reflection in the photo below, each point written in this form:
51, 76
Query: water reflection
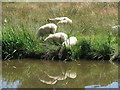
53, 79
6, 84
71, 74
112, 85
51, 74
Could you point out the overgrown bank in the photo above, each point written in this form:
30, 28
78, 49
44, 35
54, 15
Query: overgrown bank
96, 39
21, 44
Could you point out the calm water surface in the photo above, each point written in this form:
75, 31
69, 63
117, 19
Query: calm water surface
56, 74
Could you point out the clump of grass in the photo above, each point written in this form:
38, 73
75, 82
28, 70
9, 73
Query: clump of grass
89, 48
85, 49
101, 51
21, 43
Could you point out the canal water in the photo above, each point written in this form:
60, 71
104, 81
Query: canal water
58, 74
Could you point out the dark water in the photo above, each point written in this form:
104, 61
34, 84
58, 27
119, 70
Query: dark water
56, 74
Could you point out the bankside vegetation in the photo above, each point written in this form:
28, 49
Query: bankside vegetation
92, 26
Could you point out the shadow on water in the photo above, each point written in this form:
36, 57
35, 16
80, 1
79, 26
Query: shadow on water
53, 74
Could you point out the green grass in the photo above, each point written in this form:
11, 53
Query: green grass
91, 25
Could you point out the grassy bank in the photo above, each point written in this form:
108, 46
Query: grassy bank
92, 24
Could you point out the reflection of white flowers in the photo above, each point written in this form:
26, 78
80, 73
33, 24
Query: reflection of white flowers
61, 77
53, 79
48, 82
71, 74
